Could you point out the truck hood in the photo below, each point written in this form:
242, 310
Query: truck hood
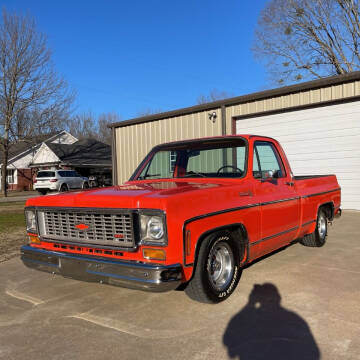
131, 195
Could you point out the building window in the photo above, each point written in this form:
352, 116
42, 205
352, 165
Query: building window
10, 176
172, 161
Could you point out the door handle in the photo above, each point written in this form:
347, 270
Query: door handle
248, 193
289, 183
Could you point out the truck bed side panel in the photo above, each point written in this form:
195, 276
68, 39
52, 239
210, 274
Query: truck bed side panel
314, 192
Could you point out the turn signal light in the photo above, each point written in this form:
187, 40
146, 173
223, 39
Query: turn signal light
154, 254
34, 239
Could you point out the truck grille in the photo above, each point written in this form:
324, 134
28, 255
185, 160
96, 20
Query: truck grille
85, 227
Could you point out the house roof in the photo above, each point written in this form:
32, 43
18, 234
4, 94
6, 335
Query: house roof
26, 145
83, 152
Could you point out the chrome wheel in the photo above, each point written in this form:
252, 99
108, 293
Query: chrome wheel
220, 265
322, 226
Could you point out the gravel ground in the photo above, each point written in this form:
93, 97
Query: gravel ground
10, 244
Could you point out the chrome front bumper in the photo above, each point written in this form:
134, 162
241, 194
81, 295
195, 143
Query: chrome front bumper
150, 277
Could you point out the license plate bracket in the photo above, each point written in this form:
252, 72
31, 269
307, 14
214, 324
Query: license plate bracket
72, 268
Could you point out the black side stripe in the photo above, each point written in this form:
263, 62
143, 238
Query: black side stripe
220, 212
279, 201
238, 208
308, 223
253, 205
199, 217
273, 236
321, 193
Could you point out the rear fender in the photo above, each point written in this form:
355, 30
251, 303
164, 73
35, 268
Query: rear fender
329, 208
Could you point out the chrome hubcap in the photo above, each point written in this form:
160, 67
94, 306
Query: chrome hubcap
220, 266
322, 227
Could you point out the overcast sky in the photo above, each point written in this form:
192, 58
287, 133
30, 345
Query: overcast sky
130, 56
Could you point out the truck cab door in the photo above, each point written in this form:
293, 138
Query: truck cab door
279, 202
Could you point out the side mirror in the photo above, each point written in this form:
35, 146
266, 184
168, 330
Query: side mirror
268, 176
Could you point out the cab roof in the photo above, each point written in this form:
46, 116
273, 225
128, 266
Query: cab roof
212, 139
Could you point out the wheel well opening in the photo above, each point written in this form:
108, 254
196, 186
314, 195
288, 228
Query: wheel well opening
328, 209
237, 232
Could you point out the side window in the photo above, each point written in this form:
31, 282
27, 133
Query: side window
266, 158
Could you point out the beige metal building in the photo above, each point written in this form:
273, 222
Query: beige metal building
317, 123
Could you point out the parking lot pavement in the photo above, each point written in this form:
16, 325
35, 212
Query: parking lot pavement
306, 306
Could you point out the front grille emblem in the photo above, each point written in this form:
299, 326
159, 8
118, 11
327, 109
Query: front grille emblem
82, 226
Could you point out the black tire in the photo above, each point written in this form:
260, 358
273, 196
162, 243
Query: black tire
42, 192
318, 237
64, 188
86, 185
203, 287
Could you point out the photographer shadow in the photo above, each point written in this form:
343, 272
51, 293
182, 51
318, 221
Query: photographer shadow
265, 330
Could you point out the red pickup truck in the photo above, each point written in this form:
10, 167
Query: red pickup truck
194, 213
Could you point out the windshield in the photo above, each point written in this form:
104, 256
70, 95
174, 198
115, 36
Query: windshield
220, 159
42, 174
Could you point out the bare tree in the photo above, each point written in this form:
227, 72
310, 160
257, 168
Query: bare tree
308, 39
32, 95
214, 95
83, 125
104, 132
87, 125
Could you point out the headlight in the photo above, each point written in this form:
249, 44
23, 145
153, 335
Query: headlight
30, 221
153, 229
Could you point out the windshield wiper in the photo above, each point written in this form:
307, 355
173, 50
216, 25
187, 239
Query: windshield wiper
150, 175
192, 173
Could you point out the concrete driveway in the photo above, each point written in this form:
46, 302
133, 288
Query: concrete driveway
306, 307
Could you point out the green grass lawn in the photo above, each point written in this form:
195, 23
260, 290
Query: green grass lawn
11, 221
18, 204
11, 216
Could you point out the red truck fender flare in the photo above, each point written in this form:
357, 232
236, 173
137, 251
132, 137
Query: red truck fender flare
328, 204
331, 205
242, 240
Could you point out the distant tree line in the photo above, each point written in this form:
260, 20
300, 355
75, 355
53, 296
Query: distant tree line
88, 125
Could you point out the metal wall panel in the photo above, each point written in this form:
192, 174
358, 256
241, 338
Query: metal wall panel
135, 141
321, 140
301, 98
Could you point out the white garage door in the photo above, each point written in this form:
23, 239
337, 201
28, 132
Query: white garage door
323, 140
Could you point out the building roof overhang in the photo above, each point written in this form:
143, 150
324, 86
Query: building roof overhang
285, 90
